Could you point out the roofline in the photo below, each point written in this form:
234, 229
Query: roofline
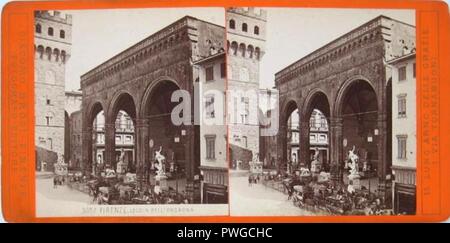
143, 40
209, 58
402, 58
339, 37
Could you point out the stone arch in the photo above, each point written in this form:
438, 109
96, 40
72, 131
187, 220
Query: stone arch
149, 92
311, 102
343, 90
121, 100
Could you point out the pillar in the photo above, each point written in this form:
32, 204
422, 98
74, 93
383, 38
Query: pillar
281, 155
110, 141
304, 153
86, 153
336, 148
382, 142
142, 149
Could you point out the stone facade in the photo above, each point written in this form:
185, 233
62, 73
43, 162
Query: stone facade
246, 31
213, 130
75, 138
52, 49
404, 142
328, 79
140, 81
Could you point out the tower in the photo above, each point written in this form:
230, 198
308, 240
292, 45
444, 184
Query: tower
246, 31
52, 42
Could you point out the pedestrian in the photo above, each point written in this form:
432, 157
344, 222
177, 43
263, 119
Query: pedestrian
55, 181
257, 178
249, 180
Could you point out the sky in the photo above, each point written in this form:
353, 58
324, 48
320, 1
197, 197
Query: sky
294, 33
98, 35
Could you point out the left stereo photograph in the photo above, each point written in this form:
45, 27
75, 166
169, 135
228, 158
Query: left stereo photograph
119, 98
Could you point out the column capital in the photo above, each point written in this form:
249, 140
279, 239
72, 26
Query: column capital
142, 122
336, 121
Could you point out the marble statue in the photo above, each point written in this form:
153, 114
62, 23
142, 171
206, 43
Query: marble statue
353, 162
160, 162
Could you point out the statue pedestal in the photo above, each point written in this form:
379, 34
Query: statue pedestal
162, 180
355, 180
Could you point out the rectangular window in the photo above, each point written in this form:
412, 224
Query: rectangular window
401, 146
209, 106
50, 142
402, 73
128, 139
210, 146
223, 70
401, 105
414, 70
246, 102
118, 139
48, 102
209, 73
244, 141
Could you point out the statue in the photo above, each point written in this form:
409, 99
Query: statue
353, 162
160, 163
315, 164
354, 170
121, 168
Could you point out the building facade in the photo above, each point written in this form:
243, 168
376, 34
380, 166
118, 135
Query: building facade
213, 130
140, 81
52, 42
72, 105
75, 140
347, 81
246, 31
404, 140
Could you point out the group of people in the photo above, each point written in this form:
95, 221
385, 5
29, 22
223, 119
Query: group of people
58, 181
253, 179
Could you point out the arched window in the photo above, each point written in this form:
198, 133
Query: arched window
63, 56
48, 53
257, 53
38, 28
50, 31
62, 34
242, 49
40, 51
232, 24
56, 54
256, 30
234, 47
250, 51
244, 27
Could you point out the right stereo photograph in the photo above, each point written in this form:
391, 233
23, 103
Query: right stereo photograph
321, 111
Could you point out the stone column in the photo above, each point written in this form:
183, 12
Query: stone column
305, 160
382, 141
86, 152
142, 149
110, 144
336, 148
281, 146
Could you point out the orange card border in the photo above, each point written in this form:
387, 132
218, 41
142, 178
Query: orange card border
433, 171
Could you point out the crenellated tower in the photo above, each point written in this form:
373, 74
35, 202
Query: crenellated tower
52, 42
246, 37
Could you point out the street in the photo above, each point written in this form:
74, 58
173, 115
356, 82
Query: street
258, 200
57, 201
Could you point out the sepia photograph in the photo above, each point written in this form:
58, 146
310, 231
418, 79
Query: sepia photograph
106, 85
340, 88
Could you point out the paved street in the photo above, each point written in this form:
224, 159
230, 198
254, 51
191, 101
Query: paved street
259, 200
59, 201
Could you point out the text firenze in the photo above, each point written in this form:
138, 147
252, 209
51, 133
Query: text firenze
247, 107
232, 232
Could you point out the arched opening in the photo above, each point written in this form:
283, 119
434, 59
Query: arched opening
256, 30
50, 31
317, 143
232, 24
163, 134
38, 28
234, 47
291, 135
123, 145
96, 140
62, 34
358, 109
244, 27
242, 49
